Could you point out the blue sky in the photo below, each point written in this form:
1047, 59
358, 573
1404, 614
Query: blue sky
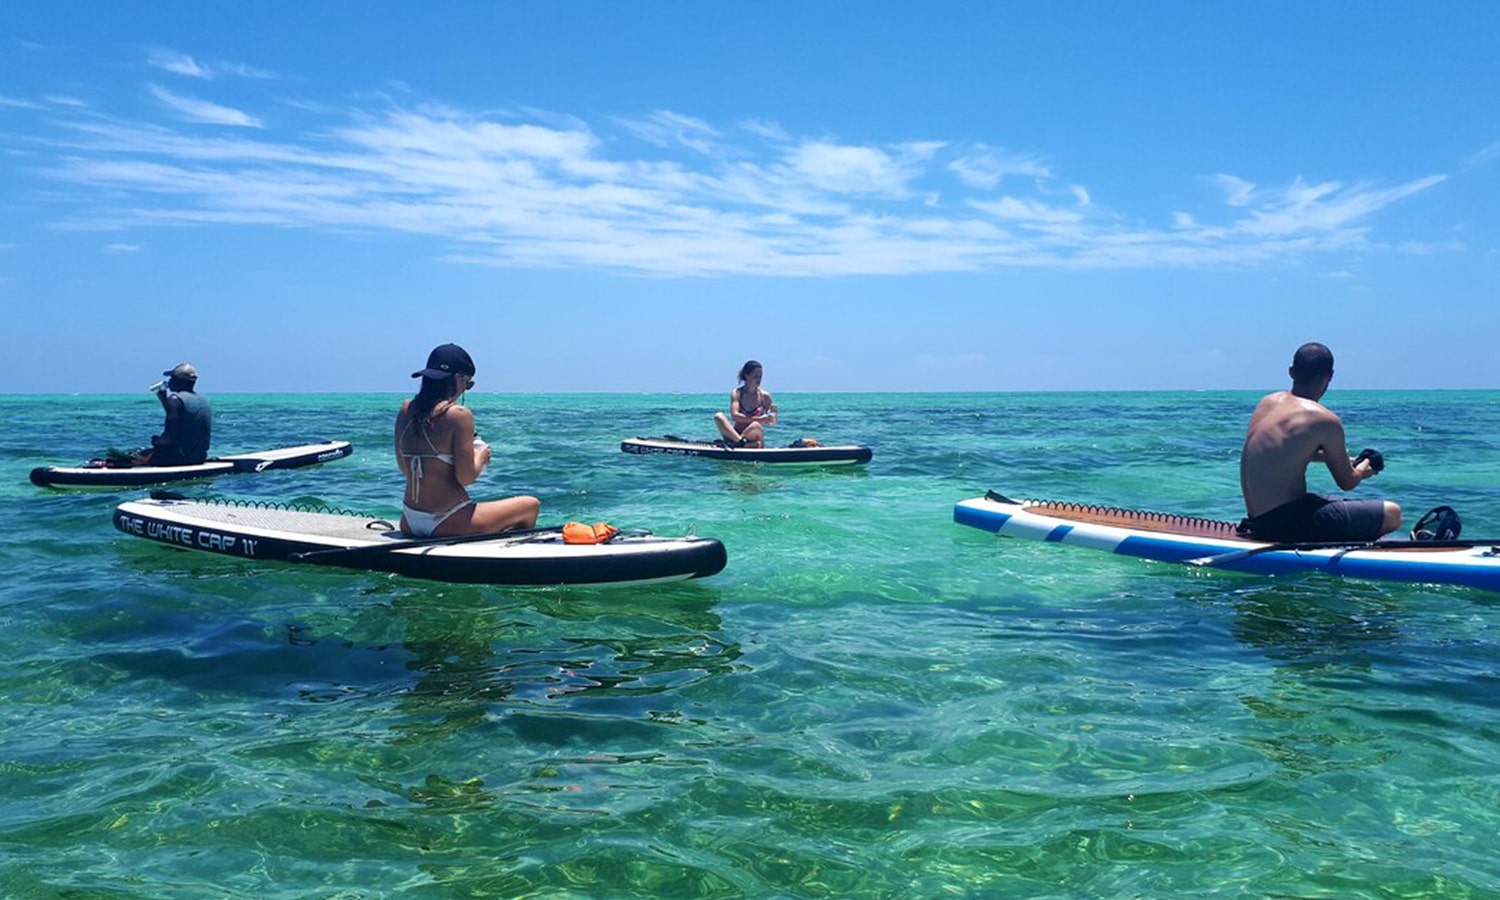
638, 197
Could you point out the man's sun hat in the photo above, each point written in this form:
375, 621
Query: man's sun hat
445, 360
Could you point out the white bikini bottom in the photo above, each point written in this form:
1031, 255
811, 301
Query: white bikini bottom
421, 523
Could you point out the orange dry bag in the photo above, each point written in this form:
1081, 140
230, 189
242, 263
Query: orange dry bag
579, 533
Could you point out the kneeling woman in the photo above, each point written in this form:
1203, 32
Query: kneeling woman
439, 455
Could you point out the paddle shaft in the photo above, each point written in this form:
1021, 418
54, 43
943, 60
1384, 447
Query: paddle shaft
340, 552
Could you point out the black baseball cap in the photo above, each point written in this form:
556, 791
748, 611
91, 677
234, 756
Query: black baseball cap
446, 360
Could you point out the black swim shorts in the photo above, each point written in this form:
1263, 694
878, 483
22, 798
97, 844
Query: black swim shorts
1318, 518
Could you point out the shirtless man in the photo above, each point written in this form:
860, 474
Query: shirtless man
1289, 430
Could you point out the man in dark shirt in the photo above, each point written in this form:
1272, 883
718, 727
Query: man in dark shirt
185, 435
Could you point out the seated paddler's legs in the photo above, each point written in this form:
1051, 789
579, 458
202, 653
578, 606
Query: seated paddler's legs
726, 428
494, 515
1392, 518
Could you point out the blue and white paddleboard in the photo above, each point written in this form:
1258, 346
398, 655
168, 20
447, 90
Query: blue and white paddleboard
1211, 543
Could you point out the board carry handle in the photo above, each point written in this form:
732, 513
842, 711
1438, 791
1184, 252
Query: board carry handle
1219, 559
365, 550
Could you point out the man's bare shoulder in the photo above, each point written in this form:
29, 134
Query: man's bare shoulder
1271, 401
1276, 407
1314, 411
1285, 414
1289, 404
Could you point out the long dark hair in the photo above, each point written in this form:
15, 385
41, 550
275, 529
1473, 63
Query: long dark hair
444, 364
432, 392
748, 367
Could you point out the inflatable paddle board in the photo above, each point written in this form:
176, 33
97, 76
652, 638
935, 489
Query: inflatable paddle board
136, 476
822, 455
1215, 544
336, 538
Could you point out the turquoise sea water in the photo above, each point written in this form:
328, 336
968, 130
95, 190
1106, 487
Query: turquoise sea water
870, 701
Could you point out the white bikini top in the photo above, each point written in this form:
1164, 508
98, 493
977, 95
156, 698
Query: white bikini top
414, 461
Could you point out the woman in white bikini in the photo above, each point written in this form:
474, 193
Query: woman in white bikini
439, 454
750, 410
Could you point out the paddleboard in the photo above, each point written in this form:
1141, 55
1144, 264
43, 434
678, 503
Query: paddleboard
1211, 543
826, 455
136, 476
336, 538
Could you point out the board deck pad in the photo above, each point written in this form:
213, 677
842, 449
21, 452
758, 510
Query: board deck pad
1142, 520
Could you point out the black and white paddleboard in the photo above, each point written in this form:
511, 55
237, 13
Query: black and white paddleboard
323, 537
137, 476
822, 455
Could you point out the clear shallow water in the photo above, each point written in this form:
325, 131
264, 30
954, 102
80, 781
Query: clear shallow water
869, 701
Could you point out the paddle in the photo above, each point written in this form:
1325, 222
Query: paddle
1220, 559
342, 552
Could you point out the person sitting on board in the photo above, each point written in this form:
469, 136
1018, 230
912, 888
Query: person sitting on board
439, 454
750, 410
188, 427
1290, 430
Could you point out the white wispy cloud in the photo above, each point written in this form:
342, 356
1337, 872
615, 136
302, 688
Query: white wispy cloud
18, 103
853, 169
122, 248
1486, 155
195, 110
664, 128
59, 100
769, 131
178, 64
984, 167
1327, 207
1024, 210
667, 194
182, 64
1237, 191
240, 70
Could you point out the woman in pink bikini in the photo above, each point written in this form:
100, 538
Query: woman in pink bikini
440, 456
750, 410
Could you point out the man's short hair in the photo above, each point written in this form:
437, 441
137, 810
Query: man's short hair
1311, 362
